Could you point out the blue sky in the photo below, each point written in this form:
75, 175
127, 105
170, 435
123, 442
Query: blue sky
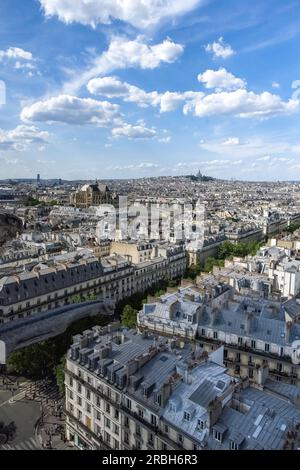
133, 88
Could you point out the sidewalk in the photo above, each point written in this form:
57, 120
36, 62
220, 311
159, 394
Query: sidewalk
50, 429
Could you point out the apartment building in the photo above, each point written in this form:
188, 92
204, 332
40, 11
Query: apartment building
272, 270
255, 332
53, 283
132, 391
138, 252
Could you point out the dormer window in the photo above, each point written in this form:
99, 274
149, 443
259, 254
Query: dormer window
234, 446
158, 399
173, 407
201, 424
187, 416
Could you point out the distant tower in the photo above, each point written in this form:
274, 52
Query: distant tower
38, 179
199, 175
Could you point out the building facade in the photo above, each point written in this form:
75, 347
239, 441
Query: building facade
53, 284
254, 332
130, 391
92, 195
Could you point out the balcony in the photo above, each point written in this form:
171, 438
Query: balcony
245, 348
102, 445
95, 390
138, 418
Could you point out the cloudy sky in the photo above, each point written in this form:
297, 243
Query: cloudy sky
132, 88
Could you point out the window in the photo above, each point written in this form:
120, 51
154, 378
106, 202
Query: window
71, 382
215, 335
107, 408
281, 351
250, 373
267, 347
98, 415
116, 414
203, 332
128, 403
88, 407
166, 427
98, 402
240, 341
141, 413
138, 430
70, 394
187, 416
253, 344
279, 367
138, 445
79, 388
126, 422
79, 415
217, 436
79, 401
158, 399
107, 422
180, 438
234, 446
88, 394
116, 429
201, 424
153, 420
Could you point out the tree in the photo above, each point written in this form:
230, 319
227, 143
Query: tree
228, 250
60, 375
193, 271
40, 360
79, 298
30, 201
129, 317
210, 262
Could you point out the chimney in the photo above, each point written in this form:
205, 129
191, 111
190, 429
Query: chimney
214, 412
288, 330
166, 393
262, 374
250, 323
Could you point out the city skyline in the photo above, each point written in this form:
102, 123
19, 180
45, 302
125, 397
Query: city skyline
165, 89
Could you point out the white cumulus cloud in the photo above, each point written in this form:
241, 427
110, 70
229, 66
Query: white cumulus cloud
139, 13
220, 49
138, 131
72, 110
240, 103
15, 53
221, 80
123, 53
112, 87
21, 137
232, 141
